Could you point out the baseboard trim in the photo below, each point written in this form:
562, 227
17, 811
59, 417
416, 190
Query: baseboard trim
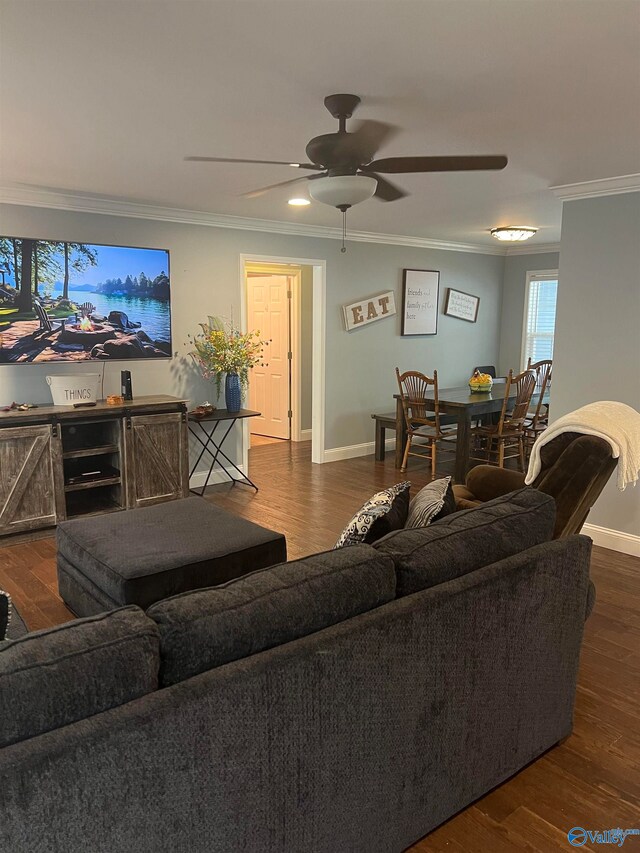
615, 540
304, 435
350, 451
197, 481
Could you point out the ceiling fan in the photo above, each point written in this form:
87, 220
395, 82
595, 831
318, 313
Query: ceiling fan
343, 167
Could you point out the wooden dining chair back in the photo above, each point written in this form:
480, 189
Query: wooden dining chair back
538, 417
543, 383
514, 415
414, 387
491, 443
422, 418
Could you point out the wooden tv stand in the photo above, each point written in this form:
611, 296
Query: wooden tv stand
58, 462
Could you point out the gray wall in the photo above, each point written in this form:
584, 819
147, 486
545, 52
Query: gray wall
205, 280
516, 268
597, 343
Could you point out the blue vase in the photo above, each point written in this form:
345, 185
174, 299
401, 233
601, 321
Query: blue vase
232, 392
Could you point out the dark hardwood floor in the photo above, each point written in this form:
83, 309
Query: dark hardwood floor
591, 780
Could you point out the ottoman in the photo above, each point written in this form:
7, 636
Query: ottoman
141, 556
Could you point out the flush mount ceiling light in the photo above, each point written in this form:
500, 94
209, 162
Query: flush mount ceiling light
513, 233
298, 202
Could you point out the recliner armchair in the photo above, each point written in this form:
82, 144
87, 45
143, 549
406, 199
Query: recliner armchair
575, 469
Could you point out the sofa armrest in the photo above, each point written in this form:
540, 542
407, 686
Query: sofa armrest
488, 482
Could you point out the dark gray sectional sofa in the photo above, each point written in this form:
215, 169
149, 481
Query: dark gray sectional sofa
351, 701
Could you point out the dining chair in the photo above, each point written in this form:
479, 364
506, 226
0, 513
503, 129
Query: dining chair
485, 368
538, 418
422, 423
493, 441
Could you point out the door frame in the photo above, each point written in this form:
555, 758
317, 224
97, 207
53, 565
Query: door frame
318, 350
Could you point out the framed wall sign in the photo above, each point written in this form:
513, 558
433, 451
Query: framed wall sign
462, 305
420, 290
368, 310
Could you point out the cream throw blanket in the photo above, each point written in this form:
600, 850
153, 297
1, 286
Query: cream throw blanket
616, 423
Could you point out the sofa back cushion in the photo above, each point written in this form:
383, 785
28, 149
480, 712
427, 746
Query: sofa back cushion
51, 678
206, 628
468, 540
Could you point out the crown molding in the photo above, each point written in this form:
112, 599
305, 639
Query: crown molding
594, 189
79, 203
539, 249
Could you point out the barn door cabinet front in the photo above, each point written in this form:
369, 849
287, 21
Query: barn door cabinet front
31, 485
156, 458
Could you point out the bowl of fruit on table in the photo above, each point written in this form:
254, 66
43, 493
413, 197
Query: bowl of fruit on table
480, 382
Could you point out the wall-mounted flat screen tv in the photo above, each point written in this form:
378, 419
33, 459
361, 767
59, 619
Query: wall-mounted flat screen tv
71, 302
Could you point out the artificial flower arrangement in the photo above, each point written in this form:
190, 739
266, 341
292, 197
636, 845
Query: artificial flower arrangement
221, 348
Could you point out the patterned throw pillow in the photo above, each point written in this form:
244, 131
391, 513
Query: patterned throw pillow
5, 612
434, 501
385, 511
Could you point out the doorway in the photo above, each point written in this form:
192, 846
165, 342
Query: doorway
279, 303
316, 272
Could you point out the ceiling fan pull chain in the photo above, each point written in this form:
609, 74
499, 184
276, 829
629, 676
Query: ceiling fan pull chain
344, 230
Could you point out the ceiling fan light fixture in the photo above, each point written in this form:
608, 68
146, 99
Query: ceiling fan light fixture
342, 190
513, 233
298, 202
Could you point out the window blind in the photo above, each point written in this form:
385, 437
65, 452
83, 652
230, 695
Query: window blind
540, 320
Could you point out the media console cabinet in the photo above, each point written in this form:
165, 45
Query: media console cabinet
58, 462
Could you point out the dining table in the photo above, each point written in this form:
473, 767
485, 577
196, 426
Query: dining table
467, 406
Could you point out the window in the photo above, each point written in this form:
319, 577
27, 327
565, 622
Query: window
539, 316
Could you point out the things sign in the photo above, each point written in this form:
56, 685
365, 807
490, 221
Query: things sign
368, 310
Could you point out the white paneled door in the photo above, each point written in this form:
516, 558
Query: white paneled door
269, 386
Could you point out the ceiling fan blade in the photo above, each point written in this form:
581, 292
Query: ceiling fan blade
371, 135
385, 191
265, 162
263, 190
399, 165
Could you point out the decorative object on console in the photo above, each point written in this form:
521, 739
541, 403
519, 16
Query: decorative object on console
220, 348
115, 400
431, 503
369, 309
78, 388
232, 392
462, 305
420, 289
81, 316
18, 407
381, 514
125, 384
202, 411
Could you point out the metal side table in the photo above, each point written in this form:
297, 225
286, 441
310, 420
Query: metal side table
212, 442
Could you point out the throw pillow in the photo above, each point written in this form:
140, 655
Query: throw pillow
431, 503
5, 613
383, 513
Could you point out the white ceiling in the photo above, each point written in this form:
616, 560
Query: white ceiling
106, 97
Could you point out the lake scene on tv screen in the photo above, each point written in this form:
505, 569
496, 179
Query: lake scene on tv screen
65, 301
